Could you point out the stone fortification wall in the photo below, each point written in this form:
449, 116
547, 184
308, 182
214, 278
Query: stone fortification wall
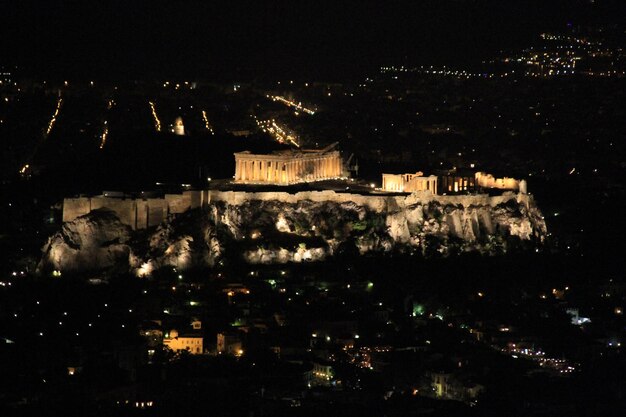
143, 213
376, 203
138, 213
75, 207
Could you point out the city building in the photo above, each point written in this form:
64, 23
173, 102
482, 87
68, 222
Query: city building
229, 344
179, 127
190, 342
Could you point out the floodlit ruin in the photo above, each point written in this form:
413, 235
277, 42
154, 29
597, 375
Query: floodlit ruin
288, 167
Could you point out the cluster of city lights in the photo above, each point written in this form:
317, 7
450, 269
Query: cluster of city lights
432, 70
279, 133
298, 106
362, 357
105, 133
546, 61
567, 38
207, 125
562, 366
54, 116
178, 86
560, 59
24, 169
157, 122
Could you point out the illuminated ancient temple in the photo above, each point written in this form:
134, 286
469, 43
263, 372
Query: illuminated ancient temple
288, 166
409, 183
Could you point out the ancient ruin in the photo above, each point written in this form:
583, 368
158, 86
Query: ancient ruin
288, 167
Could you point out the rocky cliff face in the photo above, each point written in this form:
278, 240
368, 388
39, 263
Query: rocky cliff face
96, 241
272, 231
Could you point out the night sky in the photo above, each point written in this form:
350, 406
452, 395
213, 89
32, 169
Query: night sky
272, 38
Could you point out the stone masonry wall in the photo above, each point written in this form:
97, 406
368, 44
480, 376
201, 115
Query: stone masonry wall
143, 213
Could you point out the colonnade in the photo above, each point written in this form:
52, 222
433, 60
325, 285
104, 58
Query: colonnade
286, 168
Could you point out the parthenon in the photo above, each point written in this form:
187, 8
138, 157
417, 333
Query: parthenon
287, 167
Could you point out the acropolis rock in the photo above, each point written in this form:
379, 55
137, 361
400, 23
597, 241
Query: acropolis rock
280, 227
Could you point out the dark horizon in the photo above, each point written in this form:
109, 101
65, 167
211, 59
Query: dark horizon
244, 39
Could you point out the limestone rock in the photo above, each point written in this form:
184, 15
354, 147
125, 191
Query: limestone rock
273, 231
95, 241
